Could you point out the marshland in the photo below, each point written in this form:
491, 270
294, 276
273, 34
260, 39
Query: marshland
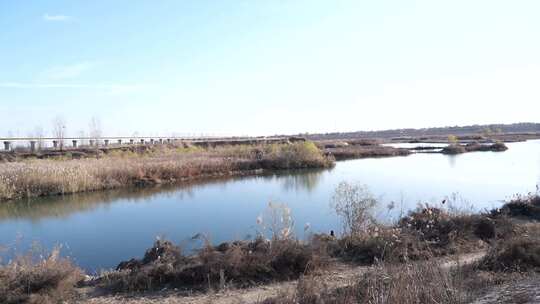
269, 152
214, 204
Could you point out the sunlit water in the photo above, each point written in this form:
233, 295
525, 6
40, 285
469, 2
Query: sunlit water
98, 230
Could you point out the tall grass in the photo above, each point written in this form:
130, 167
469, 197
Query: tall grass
386, 284
42, 280
154, 166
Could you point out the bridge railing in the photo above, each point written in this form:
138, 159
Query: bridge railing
34, 144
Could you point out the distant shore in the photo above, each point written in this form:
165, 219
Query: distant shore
26, 174
76, 171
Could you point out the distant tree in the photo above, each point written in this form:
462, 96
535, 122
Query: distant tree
39, 134
452, 139
487, 132
59, 130
95, 129
82, 136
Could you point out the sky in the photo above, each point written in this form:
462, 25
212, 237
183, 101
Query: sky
263, 67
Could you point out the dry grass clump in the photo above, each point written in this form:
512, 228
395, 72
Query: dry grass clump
49, 280
521, 255
297, 155
388, 284
526, 207
410, 283
154, 165
447, 233
423, 234
239, 264
389, 244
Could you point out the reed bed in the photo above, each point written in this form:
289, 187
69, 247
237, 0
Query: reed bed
41, 177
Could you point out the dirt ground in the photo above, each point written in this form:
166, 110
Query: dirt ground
523, 291
340, 275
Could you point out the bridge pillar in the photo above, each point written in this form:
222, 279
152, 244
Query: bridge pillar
33, 146
119, 142
152, 141
91, 142
142, 141
131, 141
106, 142
74, 143
161, 141
7, 145
55, 144
168, 140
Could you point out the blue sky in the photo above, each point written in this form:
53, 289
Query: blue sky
266, 67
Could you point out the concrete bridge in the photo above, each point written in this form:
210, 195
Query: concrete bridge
34, 144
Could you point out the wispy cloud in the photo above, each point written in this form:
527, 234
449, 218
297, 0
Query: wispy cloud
68, 71
111, 88
56, 18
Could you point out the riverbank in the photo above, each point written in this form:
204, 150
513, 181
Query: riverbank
24, 175
150, 165
412, 254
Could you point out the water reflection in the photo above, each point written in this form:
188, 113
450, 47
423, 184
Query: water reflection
297, 180
63, 206
452, 160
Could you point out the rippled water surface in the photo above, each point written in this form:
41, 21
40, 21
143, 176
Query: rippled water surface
100, 229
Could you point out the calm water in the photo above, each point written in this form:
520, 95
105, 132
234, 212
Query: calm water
100, 229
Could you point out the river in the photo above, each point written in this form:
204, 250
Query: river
100, 229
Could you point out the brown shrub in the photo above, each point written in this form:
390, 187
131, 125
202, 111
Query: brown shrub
240, 264
391, 245
449, 233
50, 280
522, 254
527, 207
294, 156
424, 233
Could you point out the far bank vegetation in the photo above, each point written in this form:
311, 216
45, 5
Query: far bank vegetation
148, 165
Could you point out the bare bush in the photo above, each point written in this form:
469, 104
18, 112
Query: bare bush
276, 221
95, 131
59, 130
354, 204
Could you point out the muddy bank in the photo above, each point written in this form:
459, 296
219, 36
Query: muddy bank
359, 148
